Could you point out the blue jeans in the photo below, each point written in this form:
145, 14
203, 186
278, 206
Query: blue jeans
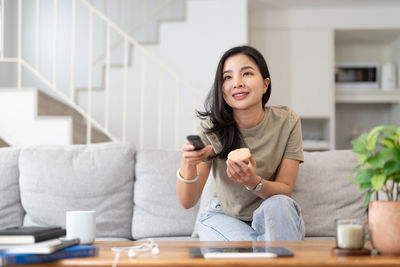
277, 219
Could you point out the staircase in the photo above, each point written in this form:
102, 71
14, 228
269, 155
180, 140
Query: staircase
74, 105
134, 92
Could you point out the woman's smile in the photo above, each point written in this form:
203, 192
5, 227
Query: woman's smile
240, 95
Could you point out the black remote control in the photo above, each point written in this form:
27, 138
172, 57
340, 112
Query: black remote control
196, 141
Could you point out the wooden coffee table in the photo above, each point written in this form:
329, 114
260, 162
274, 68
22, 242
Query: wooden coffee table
306, 253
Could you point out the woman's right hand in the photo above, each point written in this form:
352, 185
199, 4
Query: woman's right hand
194, 157
192, 166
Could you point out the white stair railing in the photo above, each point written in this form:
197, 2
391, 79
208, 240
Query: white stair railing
162, 88
159, 9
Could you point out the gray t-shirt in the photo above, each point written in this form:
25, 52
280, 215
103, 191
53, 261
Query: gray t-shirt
277, 136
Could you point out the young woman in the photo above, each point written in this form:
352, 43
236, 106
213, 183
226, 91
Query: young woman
252, 199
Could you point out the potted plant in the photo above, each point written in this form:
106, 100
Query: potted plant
379, 170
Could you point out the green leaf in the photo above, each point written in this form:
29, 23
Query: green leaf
377, 181
391, 153
364, 176
360, 143
387, 143
377, 160
362, 158
391, 167
396, 153
375, 131
365, 186
367, 197
389, 130
372, 142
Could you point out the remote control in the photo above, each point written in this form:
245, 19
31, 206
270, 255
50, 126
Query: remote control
196, 141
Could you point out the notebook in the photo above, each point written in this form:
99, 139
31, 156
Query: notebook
29, 235
43, 247
76, 251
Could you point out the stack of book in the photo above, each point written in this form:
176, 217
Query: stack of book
21, 245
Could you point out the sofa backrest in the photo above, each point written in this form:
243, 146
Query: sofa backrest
55, 179
325, 192
11, 211
157, 212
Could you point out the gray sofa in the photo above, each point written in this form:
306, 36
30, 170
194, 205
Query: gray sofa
133, 192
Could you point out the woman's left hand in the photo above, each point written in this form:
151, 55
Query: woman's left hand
241, 173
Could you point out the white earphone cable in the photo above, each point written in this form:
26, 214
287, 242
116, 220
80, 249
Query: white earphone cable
150, 246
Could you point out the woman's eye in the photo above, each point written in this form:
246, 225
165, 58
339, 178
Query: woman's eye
226, 78
247, 73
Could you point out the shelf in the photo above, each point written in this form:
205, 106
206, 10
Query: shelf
367, 96
315, 145
316, 134
366, 36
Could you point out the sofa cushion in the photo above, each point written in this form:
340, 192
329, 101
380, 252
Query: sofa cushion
55, 179
11, 211
157, 212
325, 192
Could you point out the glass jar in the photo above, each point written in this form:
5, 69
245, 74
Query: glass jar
350, 233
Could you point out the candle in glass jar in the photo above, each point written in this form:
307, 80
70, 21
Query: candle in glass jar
349, 234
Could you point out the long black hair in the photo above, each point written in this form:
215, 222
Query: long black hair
219, 112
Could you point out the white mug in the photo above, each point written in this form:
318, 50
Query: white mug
82, 225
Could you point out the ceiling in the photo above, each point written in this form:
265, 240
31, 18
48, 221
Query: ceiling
295, 4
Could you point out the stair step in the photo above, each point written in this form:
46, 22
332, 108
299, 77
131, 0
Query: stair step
48, 105
20, 124
3, 143
38, 118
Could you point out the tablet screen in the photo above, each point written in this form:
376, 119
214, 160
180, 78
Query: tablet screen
239, 252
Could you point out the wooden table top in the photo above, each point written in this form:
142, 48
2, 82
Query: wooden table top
306, 253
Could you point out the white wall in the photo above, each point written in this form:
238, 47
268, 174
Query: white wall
193, 48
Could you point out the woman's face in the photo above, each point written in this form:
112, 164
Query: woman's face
243, 85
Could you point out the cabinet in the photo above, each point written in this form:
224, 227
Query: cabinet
302, 78
274, 44
311, 75
358, 110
